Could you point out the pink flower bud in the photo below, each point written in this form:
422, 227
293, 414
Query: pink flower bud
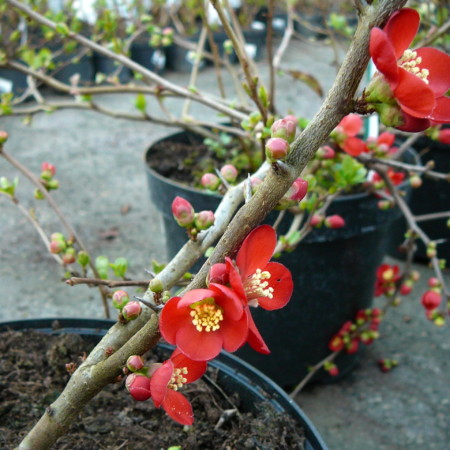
120, 299
291, 118
433, 282
444, 136
138, 386
3, 137
204, 219
352, 346
183, 212
229, 173
317, 220
405, 289
326, 152
47, 167
334, 221
57, 246
336, 344
284, 129
135, 363
415, 181
69, 256
299, 189
210, 181
333, 371
131, 310
277, 148
431, 300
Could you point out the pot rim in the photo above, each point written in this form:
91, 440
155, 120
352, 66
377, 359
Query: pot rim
153, 172
228, 363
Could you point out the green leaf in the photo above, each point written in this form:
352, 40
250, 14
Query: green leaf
119, 267
62, 28
140, 103
102, 266
157, 267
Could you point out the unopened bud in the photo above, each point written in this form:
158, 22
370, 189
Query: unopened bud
38, 195
131, 311
433, 282
69, 256
444, 136
138, 386
83, 258
299, 189
57, 246
120, 299
204, 219
210, 181
384, 205
47, 167
277, 148
156, 285
229, 173
183, 212
415, 181
317, 220
3, 137
334, 221
431, 300
52, 185
326, 152
284, 129
228, 47
135, 363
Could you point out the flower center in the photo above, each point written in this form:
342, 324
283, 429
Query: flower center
410, 62
206, 315
178, 379
256, 286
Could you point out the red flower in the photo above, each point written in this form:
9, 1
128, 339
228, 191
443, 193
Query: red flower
386, 278
418, 80
204, 321
254, 278
168, 378
345, 135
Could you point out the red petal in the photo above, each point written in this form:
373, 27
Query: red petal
236, 280
199, 345
438, 63
401, 29
255, 339
234, 332
227, 299
218, 274
177, 407
383, 55
354, 146
414, 95
281, 282
351, 124
441, 113
386, 138
194, 296
170, 319
256, 250
159, 381
413, 124
195, 369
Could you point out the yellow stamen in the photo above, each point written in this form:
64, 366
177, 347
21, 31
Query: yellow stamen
178, 380
255, 286
206, 315
410, 61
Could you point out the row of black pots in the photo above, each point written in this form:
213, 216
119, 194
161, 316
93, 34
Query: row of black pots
234, 375
333, 272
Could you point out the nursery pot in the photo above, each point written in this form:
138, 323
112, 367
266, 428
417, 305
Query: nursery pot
333, 272
234, 375
151, 58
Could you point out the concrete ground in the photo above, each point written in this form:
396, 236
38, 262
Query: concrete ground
104, 194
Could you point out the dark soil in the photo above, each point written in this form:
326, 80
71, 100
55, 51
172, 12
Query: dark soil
184, 162
33, 374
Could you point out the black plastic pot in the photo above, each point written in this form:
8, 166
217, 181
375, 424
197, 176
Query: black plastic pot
84, 67
432, 197
12, 80
151, 58
234, 375
106, 66
255, 42
181, 59
333, 272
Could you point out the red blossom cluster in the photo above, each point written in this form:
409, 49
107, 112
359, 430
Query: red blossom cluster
204, 321
364, 329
